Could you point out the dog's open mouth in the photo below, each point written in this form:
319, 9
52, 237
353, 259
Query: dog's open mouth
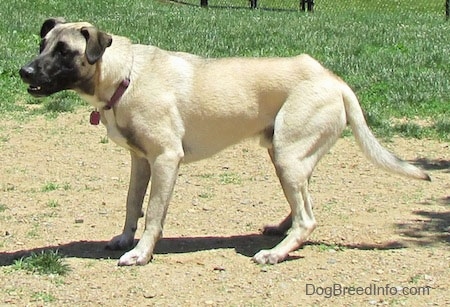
36, 90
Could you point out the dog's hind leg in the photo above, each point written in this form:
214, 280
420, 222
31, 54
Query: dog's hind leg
281, 228
295, 187
302, 135
139, 179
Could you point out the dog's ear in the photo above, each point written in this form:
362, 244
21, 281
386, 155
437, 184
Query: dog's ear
50, 24
96, 43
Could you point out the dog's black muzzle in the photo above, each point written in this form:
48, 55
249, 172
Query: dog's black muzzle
39, 86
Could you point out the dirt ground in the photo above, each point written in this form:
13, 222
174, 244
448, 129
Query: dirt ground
63, 186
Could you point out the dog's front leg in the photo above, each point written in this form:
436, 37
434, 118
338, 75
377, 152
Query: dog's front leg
139, 178
164, 174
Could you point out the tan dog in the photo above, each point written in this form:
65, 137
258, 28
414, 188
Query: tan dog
172, 107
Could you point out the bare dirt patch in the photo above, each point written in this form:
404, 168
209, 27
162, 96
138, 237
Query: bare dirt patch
64, 187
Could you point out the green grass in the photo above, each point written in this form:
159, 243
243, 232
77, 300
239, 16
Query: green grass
230, 178
52, 186
394, 54
52, 203
104, 140
46, 262
415, 279
206, 195
43, 297
327, 247
49, 186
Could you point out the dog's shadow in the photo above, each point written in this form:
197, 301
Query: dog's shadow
246, 245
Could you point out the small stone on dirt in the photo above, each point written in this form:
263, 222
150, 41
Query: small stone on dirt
149, 295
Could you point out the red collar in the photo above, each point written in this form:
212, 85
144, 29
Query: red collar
117, 94
95, 115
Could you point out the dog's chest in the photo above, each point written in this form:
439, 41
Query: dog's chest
113, 130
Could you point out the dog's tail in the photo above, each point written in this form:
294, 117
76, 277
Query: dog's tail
370, 146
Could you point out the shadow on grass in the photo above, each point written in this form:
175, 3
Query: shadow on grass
246, 245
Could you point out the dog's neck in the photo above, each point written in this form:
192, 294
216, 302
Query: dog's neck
113, 74
118, 93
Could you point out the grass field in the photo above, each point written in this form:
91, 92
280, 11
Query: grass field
394, 54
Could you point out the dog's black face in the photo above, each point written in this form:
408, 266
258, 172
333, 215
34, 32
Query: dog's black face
67, 58
54, 70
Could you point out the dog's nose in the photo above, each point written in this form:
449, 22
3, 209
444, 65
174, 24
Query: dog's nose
26, 72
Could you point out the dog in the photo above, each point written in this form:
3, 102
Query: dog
171, 107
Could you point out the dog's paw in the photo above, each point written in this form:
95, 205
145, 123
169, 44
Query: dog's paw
120, 242
135, 257
268, 257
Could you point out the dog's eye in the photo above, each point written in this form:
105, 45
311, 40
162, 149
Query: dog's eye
62, 49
